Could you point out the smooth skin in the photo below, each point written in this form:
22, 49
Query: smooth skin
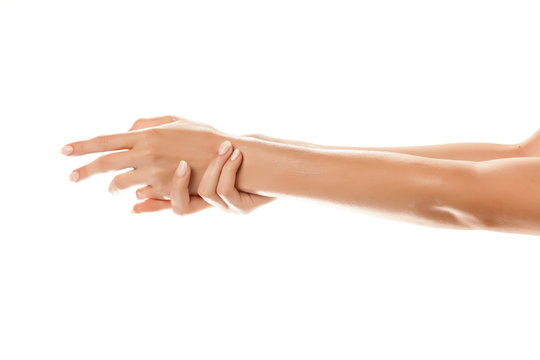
460, 186
217, 188
217, 185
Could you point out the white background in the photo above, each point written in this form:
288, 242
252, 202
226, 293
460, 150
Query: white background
83, 278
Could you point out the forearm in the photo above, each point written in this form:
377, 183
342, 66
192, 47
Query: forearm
400, 186
455, 151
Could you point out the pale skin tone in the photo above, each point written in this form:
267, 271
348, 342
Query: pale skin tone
462, 186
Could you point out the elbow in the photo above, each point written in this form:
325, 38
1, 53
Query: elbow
455, 218
509, 223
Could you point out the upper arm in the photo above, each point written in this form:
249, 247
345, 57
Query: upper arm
507, 195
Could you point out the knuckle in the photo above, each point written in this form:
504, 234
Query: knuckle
159, 188
140, 194
152, 148
223, 190
150, 155
155, 173
101, 162
149, 137
204, 192
241, 211
235, 210
228, 169
147, 152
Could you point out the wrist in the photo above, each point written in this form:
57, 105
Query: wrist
256, 173
273, 169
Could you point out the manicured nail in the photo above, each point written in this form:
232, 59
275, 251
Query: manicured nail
224, 147
74, 176
181, 170
66, 150
235, 154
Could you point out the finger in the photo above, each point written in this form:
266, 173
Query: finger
151, 205
113, 161
181, 201
151, 122
149, 192
209, 181
102, 143
226, 187
237, 200
129, 179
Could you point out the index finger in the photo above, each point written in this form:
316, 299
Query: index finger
102, 143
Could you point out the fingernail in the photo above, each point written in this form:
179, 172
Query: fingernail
133, 211
113, 189
224, 147
66, 150
235, 154
138, 195
74, 176
181, 170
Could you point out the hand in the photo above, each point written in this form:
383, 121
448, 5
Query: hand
153, 153
144, 123
216, 188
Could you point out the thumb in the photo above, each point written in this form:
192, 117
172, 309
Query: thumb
151, 122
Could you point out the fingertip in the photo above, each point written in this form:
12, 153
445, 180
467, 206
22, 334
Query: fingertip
143, 206
236, 154
182, 169
135, 209
66, 150
74, 176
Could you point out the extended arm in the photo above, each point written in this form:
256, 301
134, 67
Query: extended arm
455, 151
417, 189
495, 195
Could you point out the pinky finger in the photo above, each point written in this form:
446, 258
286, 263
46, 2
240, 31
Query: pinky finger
151, 205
